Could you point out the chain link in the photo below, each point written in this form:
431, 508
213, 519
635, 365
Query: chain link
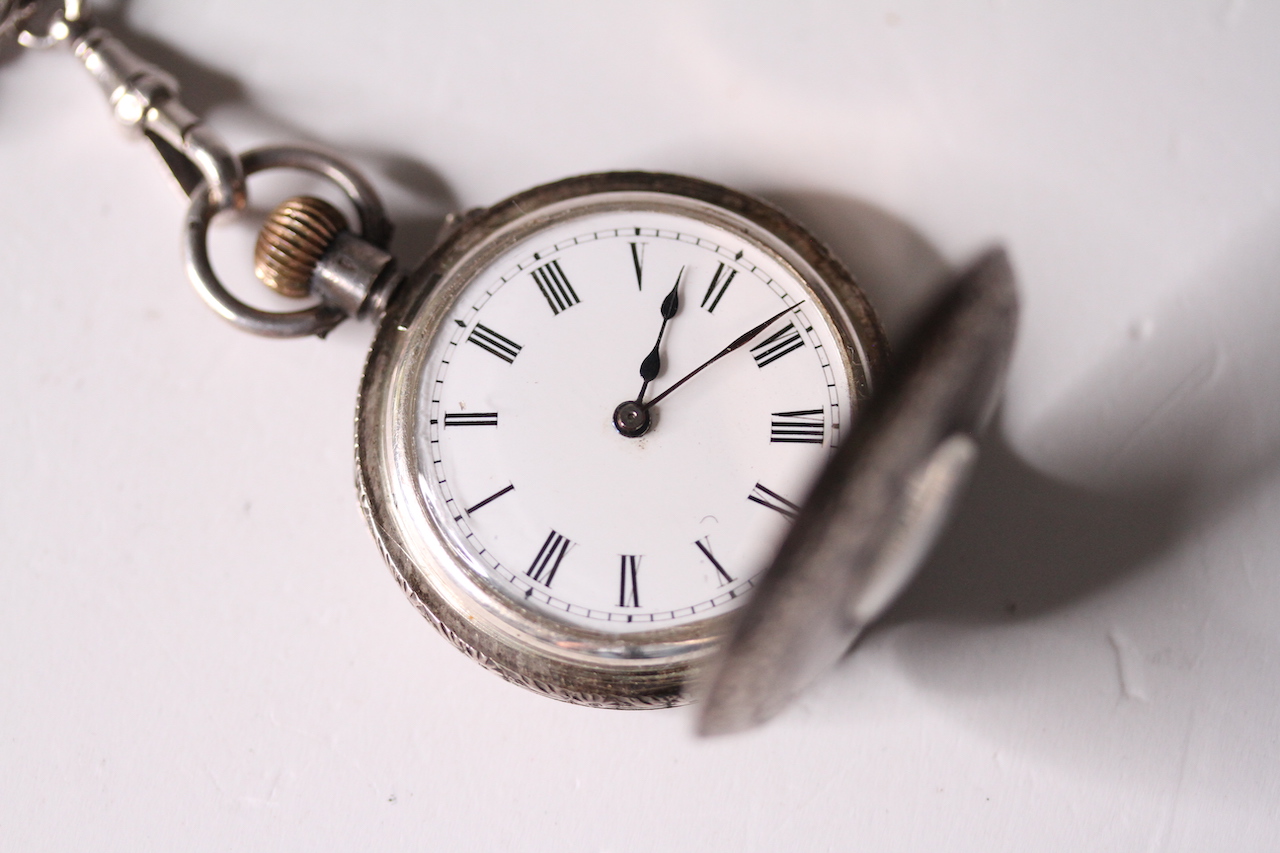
59, 17
354, 278
14, 15
142, 96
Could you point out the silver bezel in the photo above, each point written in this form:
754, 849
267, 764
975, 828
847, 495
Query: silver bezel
576, 664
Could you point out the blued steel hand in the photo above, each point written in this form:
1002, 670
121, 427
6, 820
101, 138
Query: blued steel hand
652, 364
741, 341
632, 417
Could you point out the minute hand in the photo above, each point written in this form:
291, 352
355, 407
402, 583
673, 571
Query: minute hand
741, 341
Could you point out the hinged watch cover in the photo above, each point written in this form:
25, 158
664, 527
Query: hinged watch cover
877, 506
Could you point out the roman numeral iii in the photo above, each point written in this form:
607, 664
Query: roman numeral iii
777, 345
628, 592
774, 501
490, 341
547, 563
471, 419
555, 287
803, 426
719, 284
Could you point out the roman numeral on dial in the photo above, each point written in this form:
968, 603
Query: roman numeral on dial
704, 545
628, 592
471, 419
777, 345
490, 341
544, 566
637, 260
493, 497
555, 287
803, 426
719, 284
774, 501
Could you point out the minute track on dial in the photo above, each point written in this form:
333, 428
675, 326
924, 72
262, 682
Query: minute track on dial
603, 305
546, 508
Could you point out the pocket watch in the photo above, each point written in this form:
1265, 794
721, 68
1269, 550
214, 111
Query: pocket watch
589, 418
623, 438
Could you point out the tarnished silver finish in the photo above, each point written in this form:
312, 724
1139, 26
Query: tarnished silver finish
354, 278
13, 17
375, 229
145, 98
455, 221
586, 666
355, 275
54, 21
876, 507
292, 240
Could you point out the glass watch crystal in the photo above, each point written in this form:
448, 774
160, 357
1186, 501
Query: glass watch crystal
525, 518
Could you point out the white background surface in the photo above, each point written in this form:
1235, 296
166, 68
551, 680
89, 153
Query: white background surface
201, 649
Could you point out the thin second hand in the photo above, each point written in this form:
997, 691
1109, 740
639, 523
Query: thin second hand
740, 341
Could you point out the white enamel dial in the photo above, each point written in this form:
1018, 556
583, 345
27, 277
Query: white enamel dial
540, 495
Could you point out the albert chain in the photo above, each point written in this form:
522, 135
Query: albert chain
304, 248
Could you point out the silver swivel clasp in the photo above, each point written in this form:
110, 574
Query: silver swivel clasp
306, 248
142, 96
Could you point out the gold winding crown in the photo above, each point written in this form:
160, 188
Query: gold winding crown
294, 237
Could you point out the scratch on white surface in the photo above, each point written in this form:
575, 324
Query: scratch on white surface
270, 798
1201, 376
1160, 840
1142, 329
1129, 667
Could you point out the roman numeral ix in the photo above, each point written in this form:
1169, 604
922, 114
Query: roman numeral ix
628, 592
490, 341
803, 426
774, 501
471, 419
544, 566
777, 345
716, 291
704, 545
555, 287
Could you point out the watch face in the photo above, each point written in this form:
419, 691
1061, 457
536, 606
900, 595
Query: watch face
535, 516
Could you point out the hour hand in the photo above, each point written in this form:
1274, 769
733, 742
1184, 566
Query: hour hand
631, 418
652, 364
